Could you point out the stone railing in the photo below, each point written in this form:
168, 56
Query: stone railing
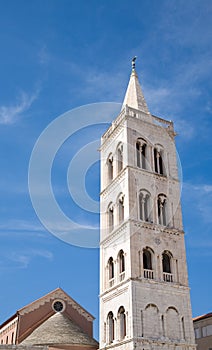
167, 277
111, 282
121, 276
148, 274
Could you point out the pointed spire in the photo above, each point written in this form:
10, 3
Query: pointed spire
134, 97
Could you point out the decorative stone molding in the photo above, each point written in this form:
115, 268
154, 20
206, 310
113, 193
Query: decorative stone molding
59, 294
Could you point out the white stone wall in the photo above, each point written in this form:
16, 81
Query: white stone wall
158, 313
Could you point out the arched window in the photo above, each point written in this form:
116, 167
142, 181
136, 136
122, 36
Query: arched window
173, 323
12, 338
111, 268
141, 147
162, 209
110, 321
122, 322
144, 206
121, 261
166, 262
121, 208
151, 321
110, 167
7, 339
147, 263
158, 161
119, 158
110, 218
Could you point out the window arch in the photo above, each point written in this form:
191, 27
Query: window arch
119, 157
158, 161
162, 209
147, 263
121, 265
110, 322
151, 321
173, 322
121, 261
141, 153
120, 208
144, 206
110, 167
167, 268
110, 217
110, 268
122, 322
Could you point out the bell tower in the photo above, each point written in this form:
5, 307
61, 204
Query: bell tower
144, 292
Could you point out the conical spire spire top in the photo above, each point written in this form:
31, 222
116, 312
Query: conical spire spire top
134, 96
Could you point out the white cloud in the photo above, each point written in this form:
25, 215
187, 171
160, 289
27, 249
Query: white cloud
23, 259
43, 55
20, 225
9, 114
200, 196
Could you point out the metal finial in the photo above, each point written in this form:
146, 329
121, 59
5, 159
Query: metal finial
133, 62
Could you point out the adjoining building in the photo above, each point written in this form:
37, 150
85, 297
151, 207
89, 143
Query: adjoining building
203, 331
55, 321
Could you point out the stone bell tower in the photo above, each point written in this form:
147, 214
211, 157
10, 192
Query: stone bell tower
144, 292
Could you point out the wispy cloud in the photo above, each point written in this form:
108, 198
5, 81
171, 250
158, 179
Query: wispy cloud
20, 225
22, 259
43, 55
10, 114
200, 196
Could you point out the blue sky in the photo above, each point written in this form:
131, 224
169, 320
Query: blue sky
58, 55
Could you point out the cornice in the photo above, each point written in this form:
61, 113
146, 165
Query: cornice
115, 291
114, 182
58, 294
157, 227
116, 233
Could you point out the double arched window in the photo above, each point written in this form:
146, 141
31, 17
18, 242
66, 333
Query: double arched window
141, 153
144, 205
115, 269
121, 325
114, 163
147, 261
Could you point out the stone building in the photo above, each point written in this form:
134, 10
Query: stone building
203, 331
144, 292
54, 321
